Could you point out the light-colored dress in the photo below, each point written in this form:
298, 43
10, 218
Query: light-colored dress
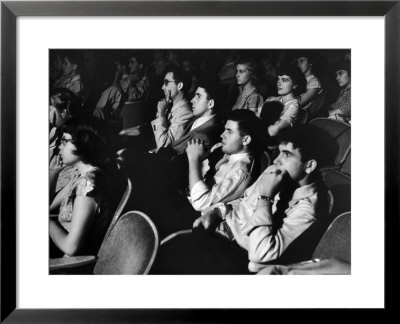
93, 184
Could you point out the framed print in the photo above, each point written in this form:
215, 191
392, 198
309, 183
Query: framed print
29, 29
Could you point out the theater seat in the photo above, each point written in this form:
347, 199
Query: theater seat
341, 133
331, 256
133, 114
339, 185
130, 248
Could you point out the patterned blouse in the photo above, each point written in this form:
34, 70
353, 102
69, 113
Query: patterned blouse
343, 103
91, 184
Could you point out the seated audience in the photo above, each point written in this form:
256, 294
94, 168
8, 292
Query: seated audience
71, 78
62, 107
290, 84
341, 109
246, 78
284, 202
314, 87
130, 84
231, 175
163, 173
85, 204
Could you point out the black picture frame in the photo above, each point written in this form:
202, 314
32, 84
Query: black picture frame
10, 10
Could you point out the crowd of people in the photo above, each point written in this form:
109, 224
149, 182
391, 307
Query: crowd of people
216, 141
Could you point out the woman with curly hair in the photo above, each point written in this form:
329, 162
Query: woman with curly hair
84, 205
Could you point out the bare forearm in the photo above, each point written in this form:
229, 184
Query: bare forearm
194, 172
60, 238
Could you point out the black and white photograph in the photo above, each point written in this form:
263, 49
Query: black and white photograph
200, 161
187, 161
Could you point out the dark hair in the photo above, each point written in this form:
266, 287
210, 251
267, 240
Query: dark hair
248, 124
211, 84
312, 142
74, 58
64, 99
296, 75
140, 57
90, 146
343, 65
180, 75
252, 67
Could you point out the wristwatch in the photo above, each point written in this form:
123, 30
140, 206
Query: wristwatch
269, 199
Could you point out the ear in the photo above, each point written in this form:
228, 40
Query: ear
246, 140
180, 85
140, 66
295, 86
311, 165
210, 103
74, 66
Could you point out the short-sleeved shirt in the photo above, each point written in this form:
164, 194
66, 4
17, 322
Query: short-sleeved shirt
249, 99
93, 184
312, 83
290, 111
343, 103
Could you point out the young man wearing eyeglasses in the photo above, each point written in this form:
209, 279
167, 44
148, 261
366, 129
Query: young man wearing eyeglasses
173, 112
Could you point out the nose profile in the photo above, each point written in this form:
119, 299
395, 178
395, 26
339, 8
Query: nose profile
277, 160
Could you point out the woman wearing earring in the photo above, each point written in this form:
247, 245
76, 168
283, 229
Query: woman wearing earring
290, 84
84, 205
246, 78
341, 108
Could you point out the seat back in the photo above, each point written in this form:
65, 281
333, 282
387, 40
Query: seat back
341, 132
133, 114
315, 109
346, 168
336, 242
339, 186
130, 247
303, 117
121, 205
265, 161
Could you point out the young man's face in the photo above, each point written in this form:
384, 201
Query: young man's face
289, 159
343, 78
133, 65
232, 141
200, 103
170, 86
67, 66
303, 64
242, 74
285, 85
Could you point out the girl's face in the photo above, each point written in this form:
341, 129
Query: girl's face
303, 64
67, 150
285, 85
343, 78
243, 74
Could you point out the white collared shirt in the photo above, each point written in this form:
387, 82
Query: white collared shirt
200, 121
232, 176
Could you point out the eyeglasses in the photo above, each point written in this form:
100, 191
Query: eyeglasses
167, 81
64, 140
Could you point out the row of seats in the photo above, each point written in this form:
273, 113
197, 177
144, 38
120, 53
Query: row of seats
131, 243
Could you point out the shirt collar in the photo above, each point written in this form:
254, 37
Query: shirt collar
76, 78
238, 156
248, 91
180, 103
303, 192
200, 121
